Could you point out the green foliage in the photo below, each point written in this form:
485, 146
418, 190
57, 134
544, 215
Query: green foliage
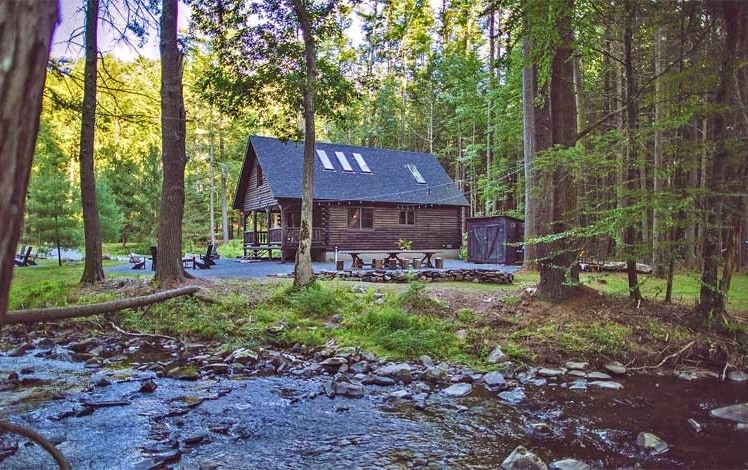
53, 212
414, 299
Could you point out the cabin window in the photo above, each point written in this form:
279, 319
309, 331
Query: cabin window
344, 162
361, 218
325, 160
407, 217
415, 173
361, 163
260, 176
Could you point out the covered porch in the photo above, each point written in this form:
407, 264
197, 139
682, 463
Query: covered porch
273, 232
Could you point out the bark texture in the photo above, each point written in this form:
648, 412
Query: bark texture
61, 313
169, 269
303, 272
25, 35
93, 268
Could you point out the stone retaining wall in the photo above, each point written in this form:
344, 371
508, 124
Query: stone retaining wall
426, 275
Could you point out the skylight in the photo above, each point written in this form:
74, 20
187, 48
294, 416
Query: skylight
343, 161
415, 173
361, 163
325, 160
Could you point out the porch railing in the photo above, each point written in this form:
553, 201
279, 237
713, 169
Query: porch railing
276, 236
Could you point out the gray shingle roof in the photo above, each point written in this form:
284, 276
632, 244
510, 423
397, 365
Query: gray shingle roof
389, 180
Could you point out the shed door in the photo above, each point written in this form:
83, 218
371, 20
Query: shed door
486, 244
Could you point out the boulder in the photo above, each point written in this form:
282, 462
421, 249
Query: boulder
737, 413
615, 368
568, 464
494, 380
523, 459
513, 396
458, 390
651, 443
575, 366
598, 376
497, 355
546, 372
349, 389
400, 371
737, 376
608, 384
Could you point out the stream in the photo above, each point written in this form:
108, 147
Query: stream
120, 417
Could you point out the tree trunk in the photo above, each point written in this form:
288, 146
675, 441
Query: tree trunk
93, 268
529, 91
224, 203
75, 311
26, 27
169, 269
557, 258
632, 115
658, 230
303, 273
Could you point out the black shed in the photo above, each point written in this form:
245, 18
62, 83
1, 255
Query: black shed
496, 239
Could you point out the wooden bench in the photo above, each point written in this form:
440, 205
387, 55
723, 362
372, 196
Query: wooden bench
392, 255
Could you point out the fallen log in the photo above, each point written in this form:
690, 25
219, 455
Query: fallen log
61, 313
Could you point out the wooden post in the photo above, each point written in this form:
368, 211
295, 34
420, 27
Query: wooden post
439, 263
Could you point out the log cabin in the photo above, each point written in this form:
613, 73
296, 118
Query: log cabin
365, 199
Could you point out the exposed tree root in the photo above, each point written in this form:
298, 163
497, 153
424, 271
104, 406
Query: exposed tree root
666, 358
60, 313
38, 439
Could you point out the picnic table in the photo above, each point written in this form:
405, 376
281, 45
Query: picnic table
392, 255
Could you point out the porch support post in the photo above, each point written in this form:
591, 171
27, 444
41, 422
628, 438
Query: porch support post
254, 221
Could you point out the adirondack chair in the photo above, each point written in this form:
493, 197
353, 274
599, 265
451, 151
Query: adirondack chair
209, 256
24, 259
138, 262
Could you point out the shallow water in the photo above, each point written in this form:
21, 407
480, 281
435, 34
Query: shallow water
286, 422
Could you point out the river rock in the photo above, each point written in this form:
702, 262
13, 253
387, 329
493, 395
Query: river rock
497, 355
20, 350
576, 366
696, 374
426, 361
546, 372
494, 380
379, 380
242, 356
348, 389
513, 396
335, 361
458, 390
568, 464
598, 376
577, 373
737, 376
608, 384
578, 385
183, 373
399, 371
737, 413
401, 394
615, 368
523, 459
651, 443
741, 427
148, 386
435, 373
695, 425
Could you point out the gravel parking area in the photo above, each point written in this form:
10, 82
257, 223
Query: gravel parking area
232, 268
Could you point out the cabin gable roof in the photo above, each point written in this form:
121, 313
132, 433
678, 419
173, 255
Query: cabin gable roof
390, 178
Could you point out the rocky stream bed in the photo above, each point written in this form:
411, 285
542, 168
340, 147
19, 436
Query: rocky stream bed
123, 401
